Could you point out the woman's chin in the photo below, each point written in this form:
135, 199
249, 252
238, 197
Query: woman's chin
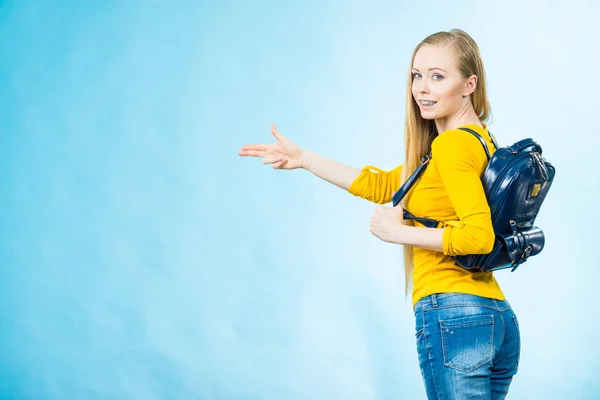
427, 115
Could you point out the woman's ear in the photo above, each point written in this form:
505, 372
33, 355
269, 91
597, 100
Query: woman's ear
470, 85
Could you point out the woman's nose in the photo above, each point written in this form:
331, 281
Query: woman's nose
423, 86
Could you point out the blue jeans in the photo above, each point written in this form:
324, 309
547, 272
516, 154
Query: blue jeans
468, 346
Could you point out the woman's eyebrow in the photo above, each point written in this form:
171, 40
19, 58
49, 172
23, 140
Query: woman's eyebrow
415, 69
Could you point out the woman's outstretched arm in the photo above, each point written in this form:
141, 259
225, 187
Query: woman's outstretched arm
332, 171
370, 182
287, 155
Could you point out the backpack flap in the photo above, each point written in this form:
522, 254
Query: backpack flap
523, 244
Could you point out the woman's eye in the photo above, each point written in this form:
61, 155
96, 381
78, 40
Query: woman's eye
416, 75
437, 77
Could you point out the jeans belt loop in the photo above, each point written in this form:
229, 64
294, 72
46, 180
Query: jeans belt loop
434, 300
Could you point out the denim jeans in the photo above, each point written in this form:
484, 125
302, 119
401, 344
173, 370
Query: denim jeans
468, 346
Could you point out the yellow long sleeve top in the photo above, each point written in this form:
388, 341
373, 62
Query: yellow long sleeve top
449, 191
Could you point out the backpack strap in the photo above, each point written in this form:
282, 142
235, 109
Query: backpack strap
494, 140
404, 189
412, 179
427, 222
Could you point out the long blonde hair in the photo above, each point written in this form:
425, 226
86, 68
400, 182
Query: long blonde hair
418, 132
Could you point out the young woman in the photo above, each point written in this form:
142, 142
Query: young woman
467, 335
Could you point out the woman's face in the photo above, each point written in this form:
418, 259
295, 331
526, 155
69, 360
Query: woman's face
437, 85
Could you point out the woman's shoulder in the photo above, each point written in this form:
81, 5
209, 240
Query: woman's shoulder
457, 145
460, 135
458, 140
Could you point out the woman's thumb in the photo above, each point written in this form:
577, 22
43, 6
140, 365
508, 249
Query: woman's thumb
274, 132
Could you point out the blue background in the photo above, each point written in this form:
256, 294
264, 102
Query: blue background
141, 258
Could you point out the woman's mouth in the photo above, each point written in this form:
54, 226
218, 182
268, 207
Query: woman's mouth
427, 103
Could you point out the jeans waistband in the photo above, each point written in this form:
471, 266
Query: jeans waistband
441, 300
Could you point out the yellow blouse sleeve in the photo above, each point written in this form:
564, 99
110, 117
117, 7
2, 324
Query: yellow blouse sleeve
376, 185
460, 161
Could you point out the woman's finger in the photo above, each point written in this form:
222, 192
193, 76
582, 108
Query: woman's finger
255, 147
272, 160
279, 164
275, 132
252, 153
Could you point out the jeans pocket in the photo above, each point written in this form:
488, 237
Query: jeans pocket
467, 341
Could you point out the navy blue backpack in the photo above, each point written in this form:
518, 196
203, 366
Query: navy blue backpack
516, 181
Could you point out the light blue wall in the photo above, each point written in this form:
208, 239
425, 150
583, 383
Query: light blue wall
141, 258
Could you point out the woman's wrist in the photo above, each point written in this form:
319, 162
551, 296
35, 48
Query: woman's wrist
305, 158
399, 235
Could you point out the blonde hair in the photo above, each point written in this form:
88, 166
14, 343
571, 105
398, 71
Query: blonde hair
418, 132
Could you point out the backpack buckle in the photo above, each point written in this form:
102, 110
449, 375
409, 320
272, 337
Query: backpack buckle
524, 256
513, 226
526, 253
